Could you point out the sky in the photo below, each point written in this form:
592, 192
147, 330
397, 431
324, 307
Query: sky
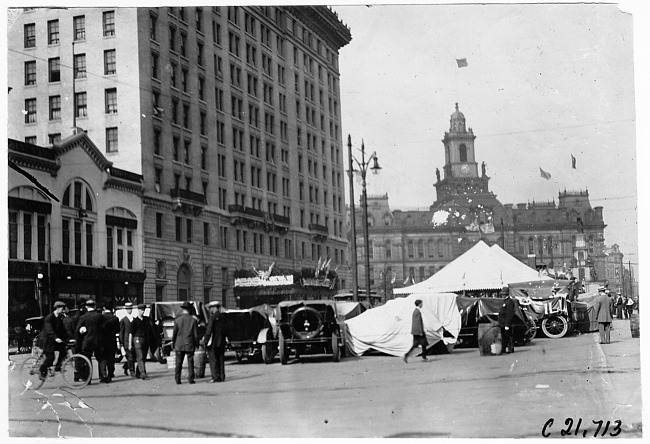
543, 82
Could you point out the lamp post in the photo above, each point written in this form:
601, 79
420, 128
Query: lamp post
355, 279
363, 167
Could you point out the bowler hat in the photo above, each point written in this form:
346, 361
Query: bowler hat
90, 303
58, 304
186, 305
505, 290
142, 306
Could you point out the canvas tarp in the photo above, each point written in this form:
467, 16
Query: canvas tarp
479, 268
350, 309
387, 328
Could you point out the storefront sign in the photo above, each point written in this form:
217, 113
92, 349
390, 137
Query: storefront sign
313, 282
259, 282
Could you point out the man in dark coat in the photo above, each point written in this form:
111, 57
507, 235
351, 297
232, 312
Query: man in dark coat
603, 309
417, 330
215, 342
184, 340
138, 341
70, 322
506, 317
111, 328
53, 338
620, 305
90, 335
127, 349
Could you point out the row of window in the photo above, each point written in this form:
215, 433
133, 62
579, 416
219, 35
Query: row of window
78, 29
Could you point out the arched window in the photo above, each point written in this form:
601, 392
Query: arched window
462, 150
78, 222
410, 248
441, 250
387, 246
184, 280
420, 248
531, 246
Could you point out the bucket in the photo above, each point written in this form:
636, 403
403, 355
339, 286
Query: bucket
634, 325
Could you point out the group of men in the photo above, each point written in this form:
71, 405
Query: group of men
608, 307
93, 333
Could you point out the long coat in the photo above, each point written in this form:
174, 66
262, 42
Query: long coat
216, 331
125, 331
110, 327
417, 326
186, 333
93, 339
52, 328
603, 307
507, 313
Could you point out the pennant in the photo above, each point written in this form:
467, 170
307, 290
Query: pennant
544, 174
461, 63
33, 180
573, 162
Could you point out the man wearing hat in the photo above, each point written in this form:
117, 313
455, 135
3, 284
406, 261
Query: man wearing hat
215, 342
127, 348
53, 338
506, 317
185, 339
110, 328
417, 330
603, 309
620, 304
138, 341
90, 335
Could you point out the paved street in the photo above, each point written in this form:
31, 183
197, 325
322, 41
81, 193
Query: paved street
457, 395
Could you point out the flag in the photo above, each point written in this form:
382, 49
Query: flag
487, 228
461, 63
544, 174
573, 162
33, 180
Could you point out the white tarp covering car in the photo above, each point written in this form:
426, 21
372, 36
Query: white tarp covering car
387, 328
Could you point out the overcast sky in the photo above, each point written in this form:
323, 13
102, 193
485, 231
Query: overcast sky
543, 82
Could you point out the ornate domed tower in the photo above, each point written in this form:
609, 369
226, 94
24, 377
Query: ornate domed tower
462, 191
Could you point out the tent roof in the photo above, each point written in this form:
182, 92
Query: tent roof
479, 268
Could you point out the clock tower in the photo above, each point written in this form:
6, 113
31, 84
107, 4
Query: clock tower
460, 172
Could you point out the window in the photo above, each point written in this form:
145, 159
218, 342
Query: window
199, 54
188, 230
79, 27
77, 224
206, 233
53, 32
183, 43
81, 104
233, 43
184, 75
110, 62
79, 66
155, 70
199, 19
55, 107
27, 228
54, 69
153, 21
111, 140
216, 33
159, 225
120, 233
109, 23
30, 73
463, 153
172, 38
179, 228
30, 110
111, 100
30, 35
172, 75
54, 138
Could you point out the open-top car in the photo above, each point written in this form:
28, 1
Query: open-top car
309, 327
244, 327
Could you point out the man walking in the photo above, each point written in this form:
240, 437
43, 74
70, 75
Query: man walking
603, 308
138, 342
629, 307
184, 340
125, 331
417, 330
620, 305
90, 335
215, 342
52, 338
506, 317
111, 328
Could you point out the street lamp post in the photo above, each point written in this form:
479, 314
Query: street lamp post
355, 279
363, 169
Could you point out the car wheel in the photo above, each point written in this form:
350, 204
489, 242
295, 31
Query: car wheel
284, 358
266, 354
336, 350
555, 326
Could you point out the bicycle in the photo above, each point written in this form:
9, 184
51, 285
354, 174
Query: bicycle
76, 370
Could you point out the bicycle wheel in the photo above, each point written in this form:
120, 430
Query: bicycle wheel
30, 373
76, 371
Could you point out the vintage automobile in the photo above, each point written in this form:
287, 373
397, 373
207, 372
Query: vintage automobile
244, 327
310, 327
475, 311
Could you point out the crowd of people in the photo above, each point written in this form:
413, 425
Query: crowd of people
99, 333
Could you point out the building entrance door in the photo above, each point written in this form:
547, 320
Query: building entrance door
184, 280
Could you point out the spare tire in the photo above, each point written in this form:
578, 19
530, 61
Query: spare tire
555, 326
305, 323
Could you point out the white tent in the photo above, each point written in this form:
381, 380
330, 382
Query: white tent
387, 328
479, 268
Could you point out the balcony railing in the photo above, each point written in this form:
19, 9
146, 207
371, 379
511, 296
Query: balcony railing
320, 229
187, 195
255, 218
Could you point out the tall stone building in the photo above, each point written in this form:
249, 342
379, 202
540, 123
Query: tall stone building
409, 246
230, 114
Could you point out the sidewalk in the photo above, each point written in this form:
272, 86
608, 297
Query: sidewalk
621, 369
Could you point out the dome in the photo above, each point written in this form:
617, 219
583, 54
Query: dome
457, 114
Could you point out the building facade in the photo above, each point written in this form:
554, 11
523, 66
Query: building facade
406, 247
231, 115
75, 228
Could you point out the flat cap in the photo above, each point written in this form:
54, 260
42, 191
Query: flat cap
214, 304
142, 306
58, 304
